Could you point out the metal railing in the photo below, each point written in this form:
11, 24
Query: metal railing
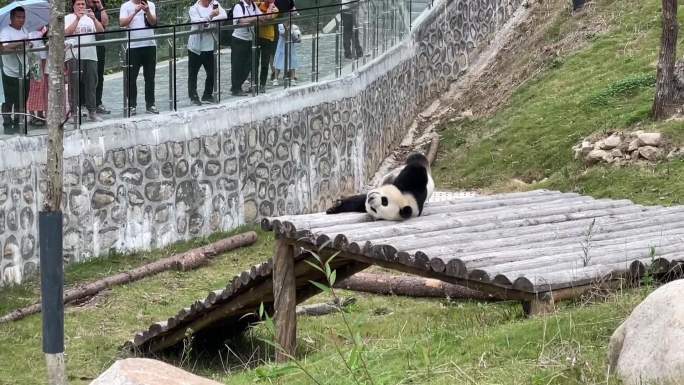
335, 40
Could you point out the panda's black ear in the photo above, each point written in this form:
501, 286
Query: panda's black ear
406, 212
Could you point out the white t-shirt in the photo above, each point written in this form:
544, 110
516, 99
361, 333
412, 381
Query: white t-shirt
127, 9
85, 25
203, 41
12, 62
244, 33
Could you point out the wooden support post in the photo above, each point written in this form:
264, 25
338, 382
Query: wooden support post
542, 304
285, 299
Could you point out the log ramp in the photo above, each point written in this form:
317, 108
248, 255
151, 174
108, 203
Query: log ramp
536, 247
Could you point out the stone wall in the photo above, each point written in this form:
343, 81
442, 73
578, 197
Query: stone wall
146, 182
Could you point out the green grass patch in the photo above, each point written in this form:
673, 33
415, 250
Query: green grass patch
606, 86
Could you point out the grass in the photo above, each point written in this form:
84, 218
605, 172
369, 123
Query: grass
94, 332
605, 86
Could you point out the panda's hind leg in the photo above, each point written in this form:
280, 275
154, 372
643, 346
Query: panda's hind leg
351, 204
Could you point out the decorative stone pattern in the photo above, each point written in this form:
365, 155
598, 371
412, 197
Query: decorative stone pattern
150, 181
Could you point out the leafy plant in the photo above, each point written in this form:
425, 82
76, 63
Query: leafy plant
354, 361
621, 87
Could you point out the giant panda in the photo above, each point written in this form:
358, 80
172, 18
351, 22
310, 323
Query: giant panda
401, 195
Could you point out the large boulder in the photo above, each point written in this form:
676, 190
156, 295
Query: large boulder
647, 348
144, 371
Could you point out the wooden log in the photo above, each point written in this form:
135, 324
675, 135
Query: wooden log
532, 224
410, 286
456, 210
186, 260
477, 253
319, 309
596, 256
432, 151
365, 231
285, 300
323, 224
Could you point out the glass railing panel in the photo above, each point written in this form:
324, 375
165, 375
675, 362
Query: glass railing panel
236, 53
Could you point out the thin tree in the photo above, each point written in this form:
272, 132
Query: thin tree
53, 339
665, 97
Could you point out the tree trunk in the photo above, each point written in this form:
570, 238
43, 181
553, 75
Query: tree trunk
184, 261
410, 286
55, 160
664, 104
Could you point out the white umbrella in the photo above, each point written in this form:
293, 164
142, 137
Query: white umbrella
37, 13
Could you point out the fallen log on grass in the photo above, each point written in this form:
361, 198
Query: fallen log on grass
188, 260
409, 286
318, 309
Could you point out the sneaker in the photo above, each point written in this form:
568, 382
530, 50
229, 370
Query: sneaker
293, 82
273, 77
239, 93
131, 111
275, 82
102, 110
208, 99
196, 101
152, 109
94, 117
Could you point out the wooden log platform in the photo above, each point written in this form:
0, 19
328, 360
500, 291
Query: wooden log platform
536, 247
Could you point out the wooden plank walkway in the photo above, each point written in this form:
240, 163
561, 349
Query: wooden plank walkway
531, 242
536, 247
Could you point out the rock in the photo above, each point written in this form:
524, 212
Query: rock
616, 153
675, 154
650, 153
586, 147
633, 145
597, 155
610, 142
650, 139
647, 348
145, 371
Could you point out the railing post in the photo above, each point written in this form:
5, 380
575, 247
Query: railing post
78, 83
172, 95
410, 14
127, 76
317, 39
22, 90
217, 62
175, 90
253, 78
338, 58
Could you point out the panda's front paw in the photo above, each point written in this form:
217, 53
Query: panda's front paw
336, 207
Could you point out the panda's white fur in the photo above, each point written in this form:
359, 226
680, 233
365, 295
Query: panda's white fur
389, 203
401, 195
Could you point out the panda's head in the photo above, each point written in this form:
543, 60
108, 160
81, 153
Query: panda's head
389, 203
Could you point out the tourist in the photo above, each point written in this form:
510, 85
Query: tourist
290, 65
14, 69
201, 47
266, 42
141, 53
101, 15
245, 13
350, 31
38, 90
82, 22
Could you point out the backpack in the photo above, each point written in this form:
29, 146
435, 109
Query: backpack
226, 36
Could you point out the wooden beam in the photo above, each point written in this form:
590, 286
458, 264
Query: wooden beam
285, 299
